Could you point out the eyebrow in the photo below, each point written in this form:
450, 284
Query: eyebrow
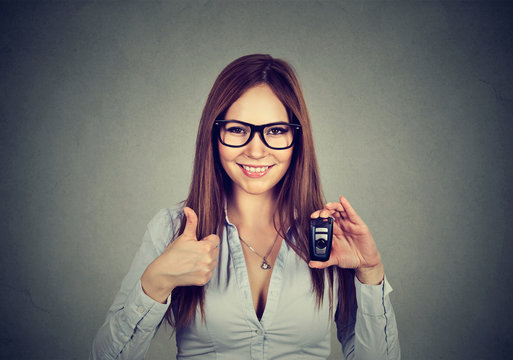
272, 122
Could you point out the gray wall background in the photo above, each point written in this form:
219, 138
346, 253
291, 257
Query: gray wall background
412, 108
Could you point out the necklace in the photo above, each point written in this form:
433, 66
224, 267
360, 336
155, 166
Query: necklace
265, 265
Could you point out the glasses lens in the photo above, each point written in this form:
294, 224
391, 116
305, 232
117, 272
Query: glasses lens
279, 136
234, 133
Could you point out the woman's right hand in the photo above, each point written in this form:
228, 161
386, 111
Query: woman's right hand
186, 261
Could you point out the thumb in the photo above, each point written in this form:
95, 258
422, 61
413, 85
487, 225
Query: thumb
321, 264
191, 224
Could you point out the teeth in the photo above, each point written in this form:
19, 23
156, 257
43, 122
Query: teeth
257, 170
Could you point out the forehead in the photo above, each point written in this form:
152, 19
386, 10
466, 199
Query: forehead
258, 105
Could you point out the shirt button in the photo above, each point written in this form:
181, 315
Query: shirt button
260, 332
140, 309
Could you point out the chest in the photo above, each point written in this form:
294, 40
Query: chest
291, 325
259, 269
290, 322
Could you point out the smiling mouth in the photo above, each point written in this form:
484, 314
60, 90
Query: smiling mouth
256, 169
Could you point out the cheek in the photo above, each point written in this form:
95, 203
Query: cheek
226, 155
224, 152
285, 157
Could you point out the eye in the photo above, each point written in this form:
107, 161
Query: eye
236, 130
277, 130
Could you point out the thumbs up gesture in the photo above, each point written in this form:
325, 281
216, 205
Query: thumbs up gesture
186, 261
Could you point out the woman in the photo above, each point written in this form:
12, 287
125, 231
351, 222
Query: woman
247, 289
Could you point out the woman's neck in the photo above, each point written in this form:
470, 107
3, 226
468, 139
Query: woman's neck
251, 211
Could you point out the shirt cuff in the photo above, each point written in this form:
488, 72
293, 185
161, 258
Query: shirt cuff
142, 311
371, 298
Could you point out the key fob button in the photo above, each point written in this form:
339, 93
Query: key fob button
320, 244
321, 236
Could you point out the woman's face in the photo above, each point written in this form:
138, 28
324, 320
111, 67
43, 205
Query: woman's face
257, 106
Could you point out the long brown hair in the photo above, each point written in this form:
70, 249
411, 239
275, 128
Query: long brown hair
298, 192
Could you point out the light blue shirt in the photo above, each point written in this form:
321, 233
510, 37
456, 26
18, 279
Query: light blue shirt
291, 327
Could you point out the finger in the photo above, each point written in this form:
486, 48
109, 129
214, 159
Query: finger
339, 215
339, 212
337, 229
191, 224
334, 206
213, 240
321, 213
351, 213
321, 264
325, 213
315, 214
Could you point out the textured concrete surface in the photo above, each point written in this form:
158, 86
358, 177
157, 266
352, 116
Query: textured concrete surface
412, 108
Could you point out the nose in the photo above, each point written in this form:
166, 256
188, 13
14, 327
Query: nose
256, 147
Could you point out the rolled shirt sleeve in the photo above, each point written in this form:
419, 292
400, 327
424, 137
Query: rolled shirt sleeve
134, 317
371, 332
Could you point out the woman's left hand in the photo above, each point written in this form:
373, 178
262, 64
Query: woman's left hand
353, 245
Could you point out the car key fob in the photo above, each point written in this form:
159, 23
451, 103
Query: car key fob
321, 232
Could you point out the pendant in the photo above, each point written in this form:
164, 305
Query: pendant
265, 265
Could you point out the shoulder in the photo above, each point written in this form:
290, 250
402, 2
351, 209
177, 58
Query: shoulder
165, 224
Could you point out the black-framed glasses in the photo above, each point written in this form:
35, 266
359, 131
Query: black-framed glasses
277, 136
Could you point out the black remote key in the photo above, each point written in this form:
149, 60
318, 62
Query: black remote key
321, 231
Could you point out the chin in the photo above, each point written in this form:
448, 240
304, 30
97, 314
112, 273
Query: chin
260, 192
257, 188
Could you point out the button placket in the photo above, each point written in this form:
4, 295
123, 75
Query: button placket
257, 345
275, 286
